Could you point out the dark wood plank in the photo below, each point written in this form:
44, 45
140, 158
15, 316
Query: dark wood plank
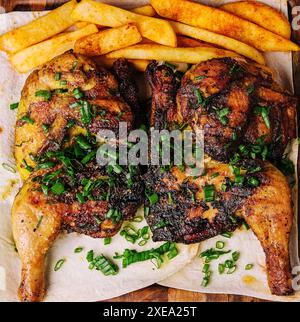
158, 293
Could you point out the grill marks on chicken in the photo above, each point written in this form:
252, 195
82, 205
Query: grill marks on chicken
262, 198
68, 189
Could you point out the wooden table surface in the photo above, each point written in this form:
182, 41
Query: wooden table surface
158, 293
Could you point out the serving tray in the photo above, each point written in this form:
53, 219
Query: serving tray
158, 293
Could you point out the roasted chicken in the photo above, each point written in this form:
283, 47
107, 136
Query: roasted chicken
246, 119
63, 106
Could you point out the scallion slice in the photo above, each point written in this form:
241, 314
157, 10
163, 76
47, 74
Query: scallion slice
59, 264
44, 94
14, 106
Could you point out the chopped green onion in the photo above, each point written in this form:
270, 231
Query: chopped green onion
39, 222
107, 240
229, 263
82, 142
132, 256
153, 199
205, 268
264, 111
220, 244
227, 234
142, 242
75, 63
57, 76
221, 268
80, 197
199, 96
253, 182
138, 219
77, 93
235, 256
103, 264
14, 106
222, 115
88, 157
27, 119
46, 165
232, 269
45, 189
45, 128
63, 82
58, 188
146, 211
59, 264
44, 93
248, 267
200, 77
114, 214
161, 224
215, 175
27, 167
209, 193
173, 252
90, 256
78, 250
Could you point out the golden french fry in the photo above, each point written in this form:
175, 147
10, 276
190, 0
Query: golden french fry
261, 14
36, 55
222, 22
38, 30
145, 11
158, 30
140, 64
183, 41
81, 24
219, 40
108, 40
158, 52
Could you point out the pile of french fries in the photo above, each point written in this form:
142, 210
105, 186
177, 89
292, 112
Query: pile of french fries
171, 30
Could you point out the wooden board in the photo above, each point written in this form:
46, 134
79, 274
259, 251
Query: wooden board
158, 293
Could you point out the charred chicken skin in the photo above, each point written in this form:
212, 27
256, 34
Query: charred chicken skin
63, 106
243, 114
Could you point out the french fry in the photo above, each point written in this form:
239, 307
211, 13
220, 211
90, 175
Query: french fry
36, 55
158, 52
157, 30
224, 23
38, 30
140, 64
219, 40
183, 41
81, 24
144, 11
261, 14
108, 40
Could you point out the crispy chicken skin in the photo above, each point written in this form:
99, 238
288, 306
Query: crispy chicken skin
209, 88
65, 188
262, 198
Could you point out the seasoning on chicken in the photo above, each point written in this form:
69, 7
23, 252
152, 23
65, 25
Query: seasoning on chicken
227, 99
63, 106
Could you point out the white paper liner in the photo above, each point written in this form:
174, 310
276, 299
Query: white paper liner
74, 282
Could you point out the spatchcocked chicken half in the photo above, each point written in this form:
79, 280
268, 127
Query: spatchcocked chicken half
247, 119
63, 105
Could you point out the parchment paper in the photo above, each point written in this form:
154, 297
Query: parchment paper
74, 282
